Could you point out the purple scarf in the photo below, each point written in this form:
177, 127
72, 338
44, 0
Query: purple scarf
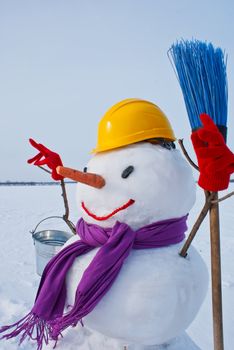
46, 319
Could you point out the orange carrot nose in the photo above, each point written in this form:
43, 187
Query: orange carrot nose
90, 179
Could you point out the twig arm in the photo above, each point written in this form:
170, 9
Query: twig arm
64, 195
41, 167
197, 224
191, 162
223, 198
65, 201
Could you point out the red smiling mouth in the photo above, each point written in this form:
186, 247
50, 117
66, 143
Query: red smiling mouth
100, 218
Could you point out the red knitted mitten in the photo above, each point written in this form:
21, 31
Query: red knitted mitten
215, 159
51, 159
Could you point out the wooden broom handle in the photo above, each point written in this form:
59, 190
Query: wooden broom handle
216, 275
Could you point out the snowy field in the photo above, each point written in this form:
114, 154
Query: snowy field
21, 208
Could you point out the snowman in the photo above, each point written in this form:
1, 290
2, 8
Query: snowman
127, 280
143, 179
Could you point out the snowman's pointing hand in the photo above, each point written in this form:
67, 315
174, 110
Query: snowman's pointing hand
46, 157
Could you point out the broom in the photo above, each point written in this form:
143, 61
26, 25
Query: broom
201, 72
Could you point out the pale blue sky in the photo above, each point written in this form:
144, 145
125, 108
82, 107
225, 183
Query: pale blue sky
63, 63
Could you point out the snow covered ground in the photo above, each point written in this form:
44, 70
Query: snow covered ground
21, 208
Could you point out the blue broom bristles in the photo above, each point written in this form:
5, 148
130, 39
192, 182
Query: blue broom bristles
201, 71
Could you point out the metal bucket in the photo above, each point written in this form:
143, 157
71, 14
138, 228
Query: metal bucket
47, 244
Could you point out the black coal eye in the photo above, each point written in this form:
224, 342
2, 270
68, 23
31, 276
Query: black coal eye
127, 171
85, 169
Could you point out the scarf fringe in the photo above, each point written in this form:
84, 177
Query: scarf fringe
33, 327
60, 324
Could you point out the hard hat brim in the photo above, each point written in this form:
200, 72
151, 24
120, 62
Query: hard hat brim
134, 138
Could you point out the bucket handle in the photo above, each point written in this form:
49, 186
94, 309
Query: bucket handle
67, 221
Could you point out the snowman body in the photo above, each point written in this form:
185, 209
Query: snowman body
157, 293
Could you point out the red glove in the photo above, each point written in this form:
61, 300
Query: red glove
51, 159
215, 160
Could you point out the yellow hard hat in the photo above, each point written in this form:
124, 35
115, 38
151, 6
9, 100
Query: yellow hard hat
130, 121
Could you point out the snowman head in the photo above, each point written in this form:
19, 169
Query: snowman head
130, 179
143, 183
